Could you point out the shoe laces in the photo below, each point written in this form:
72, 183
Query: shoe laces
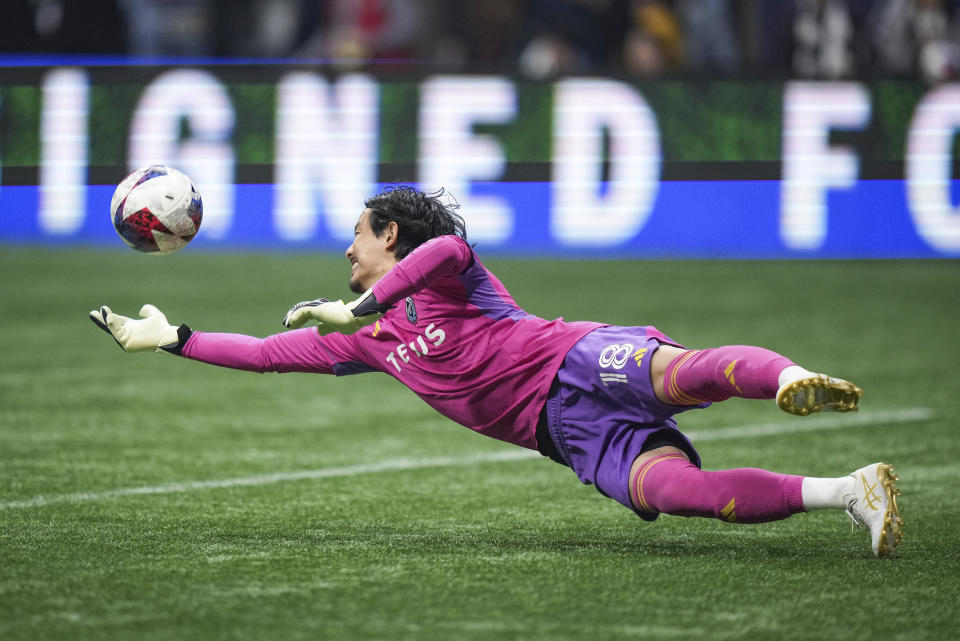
857, 523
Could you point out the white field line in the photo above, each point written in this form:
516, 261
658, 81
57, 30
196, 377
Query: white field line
389, 465
815, 423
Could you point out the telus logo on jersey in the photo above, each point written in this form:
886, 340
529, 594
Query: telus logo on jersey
418, 346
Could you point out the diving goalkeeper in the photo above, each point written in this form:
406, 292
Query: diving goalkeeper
596, 398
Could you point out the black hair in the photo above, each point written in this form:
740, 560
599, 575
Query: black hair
419, 216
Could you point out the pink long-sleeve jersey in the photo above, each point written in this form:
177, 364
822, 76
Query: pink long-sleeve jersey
453, 335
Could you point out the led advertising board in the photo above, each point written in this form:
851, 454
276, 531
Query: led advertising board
584, 166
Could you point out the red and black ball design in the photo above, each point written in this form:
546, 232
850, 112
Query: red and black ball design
157, 209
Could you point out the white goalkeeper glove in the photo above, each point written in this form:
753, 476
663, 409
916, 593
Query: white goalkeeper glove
152, 332
336, 316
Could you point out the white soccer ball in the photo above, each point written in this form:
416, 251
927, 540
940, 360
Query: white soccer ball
156, 209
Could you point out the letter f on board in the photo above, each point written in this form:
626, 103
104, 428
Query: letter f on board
811, 167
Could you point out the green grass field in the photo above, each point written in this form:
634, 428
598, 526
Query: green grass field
147, 497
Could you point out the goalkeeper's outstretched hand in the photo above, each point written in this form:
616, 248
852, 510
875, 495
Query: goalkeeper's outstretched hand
336, 316
152, 332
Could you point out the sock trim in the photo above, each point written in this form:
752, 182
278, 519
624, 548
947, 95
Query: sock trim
636, 486
793, 490
674, 391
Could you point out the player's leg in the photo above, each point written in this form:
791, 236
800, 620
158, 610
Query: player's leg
664, 480
692, 377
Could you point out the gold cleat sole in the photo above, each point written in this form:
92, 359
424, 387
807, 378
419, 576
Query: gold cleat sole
891, 536
818, 393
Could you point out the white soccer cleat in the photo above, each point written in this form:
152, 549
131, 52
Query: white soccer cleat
816, 393
873, 503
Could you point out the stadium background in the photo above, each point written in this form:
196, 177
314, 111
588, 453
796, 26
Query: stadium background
567, 138
615, 160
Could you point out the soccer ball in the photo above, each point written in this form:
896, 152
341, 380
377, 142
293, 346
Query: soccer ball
156, 209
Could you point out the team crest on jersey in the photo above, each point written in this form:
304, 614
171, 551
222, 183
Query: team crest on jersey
411, 310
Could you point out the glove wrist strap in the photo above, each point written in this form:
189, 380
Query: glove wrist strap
368, 304
183, 335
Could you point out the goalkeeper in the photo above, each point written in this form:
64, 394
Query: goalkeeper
596, 398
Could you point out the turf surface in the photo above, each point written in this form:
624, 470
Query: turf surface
115, 522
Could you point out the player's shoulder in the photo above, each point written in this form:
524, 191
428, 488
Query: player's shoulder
451, 250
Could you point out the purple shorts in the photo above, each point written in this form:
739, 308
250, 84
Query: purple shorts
602, 409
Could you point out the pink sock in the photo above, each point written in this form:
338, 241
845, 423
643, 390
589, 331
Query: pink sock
673, 485
716, 374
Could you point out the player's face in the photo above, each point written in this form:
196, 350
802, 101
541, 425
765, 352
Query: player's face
370, 256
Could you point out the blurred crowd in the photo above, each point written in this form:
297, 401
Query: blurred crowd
824, 39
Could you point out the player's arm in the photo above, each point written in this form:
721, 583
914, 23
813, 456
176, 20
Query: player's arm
301, 351
437, 258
